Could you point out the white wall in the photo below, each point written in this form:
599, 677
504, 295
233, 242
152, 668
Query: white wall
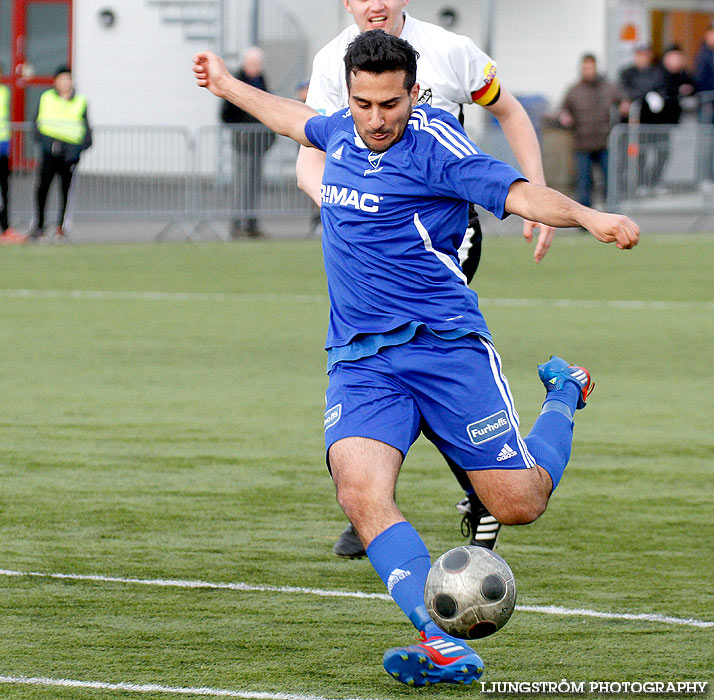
139, 70
538, 45
322, 20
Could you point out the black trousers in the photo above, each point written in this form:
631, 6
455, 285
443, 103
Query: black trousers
4, 185
654, 152
49, 167
249, 177
473, 238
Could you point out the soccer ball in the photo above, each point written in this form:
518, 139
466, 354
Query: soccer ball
470, 592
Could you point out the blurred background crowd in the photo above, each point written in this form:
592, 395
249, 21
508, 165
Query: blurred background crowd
620, 92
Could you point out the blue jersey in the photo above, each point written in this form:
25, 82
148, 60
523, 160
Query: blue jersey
393, 222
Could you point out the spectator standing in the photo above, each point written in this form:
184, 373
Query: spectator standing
7, 235
643, 82
63, 131
704, 82
678, 84
704, 70
249, 145
587, 110
644, 85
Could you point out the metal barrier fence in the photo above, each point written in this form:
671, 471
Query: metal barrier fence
666, 168
241, 174
167, 174
244, 172
706, 106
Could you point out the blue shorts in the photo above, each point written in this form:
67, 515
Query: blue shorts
451, 390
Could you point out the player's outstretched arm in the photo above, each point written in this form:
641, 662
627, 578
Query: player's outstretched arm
280, 114
540, 203
518, 130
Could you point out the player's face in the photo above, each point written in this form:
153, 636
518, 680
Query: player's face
381, 107
377, 14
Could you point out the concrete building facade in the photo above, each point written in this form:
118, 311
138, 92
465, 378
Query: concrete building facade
136, 68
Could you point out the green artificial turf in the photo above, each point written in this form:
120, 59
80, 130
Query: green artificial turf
178, 437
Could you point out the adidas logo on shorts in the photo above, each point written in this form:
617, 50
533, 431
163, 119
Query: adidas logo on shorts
506, 453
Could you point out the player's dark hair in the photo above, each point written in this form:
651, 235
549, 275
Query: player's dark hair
588, 57
376, 51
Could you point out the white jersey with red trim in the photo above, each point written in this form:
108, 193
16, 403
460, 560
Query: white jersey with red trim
451, 70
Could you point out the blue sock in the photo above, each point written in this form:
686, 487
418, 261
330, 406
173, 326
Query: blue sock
402, 561
569, 395
551, 438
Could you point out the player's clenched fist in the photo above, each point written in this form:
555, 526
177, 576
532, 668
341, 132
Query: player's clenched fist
211, 72
614, 228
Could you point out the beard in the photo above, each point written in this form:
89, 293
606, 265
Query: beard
380, 141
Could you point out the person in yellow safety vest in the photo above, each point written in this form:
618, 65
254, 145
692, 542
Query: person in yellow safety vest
7, 235
63, 131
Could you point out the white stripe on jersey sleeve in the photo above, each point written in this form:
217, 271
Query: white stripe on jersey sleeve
457, 135
417, 119
430, 247
443, 142
446, 135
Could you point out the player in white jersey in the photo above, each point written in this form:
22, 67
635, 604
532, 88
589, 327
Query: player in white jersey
452, 72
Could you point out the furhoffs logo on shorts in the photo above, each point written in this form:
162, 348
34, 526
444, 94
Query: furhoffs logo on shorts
488, 428
332, 415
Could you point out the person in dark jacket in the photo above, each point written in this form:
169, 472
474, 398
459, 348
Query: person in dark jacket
63, 132
250, 145
704, 81
704, 70
644, 84
678, 84
587, 109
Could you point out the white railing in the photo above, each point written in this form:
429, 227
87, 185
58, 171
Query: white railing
238, 172
662, 167
168, 174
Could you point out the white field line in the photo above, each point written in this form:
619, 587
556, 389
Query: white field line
155, 688
612, 304
645, 617
104, 295
177, 583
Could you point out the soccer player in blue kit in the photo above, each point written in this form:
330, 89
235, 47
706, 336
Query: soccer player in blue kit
408, 348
